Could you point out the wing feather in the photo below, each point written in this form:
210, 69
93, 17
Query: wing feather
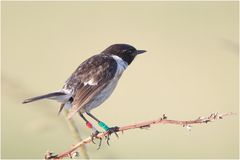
99, 70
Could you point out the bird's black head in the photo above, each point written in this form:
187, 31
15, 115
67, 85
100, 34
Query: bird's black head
124, 51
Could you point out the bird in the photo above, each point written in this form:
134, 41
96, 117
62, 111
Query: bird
92, 83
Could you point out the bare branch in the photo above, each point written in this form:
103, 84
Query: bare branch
163, 120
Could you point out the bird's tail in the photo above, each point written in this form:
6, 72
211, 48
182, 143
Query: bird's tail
60, 96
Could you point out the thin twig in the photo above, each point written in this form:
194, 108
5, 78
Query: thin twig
163, 120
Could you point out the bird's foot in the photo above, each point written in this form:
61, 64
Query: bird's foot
94, 135
111, 131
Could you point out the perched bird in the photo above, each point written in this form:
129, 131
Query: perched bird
93, 82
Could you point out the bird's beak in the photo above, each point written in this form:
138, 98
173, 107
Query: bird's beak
140, 52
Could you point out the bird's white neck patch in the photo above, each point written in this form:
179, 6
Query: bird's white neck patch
121, 64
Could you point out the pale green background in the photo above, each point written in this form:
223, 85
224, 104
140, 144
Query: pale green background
190, 70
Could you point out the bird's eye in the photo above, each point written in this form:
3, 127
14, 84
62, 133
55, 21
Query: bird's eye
129, 51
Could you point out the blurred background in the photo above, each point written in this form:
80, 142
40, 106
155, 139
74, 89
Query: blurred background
190, 70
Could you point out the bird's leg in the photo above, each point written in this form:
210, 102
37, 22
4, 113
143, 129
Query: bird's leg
110, 130
89, 125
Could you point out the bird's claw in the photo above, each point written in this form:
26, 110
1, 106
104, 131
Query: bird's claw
94, 135
109, 132
113, 130
100, 143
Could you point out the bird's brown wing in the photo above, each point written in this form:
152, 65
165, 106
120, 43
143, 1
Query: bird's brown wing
89, 79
